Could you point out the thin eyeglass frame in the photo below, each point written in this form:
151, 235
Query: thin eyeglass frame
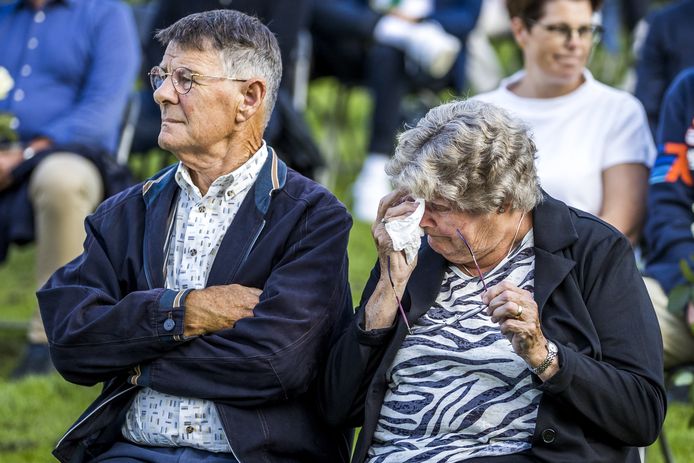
165, 75
568, 32
474, 259
400, 308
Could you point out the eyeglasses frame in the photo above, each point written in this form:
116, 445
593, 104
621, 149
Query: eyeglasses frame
193, 76
596, 30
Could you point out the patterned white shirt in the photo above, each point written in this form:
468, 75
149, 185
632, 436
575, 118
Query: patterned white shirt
200, 223
456, 390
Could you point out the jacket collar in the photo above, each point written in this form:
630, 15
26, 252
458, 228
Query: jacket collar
557, 230
160, 192
554, 234
272, 176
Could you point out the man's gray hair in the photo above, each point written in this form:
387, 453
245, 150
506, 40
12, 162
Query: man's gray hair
471, 154
248, 47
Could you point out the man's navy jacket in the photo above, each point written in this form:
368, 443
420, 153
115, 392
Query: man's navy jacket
109, 318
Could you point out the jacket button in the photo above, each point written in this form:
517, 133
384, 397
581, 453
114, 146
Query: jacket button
169, 324
548, 435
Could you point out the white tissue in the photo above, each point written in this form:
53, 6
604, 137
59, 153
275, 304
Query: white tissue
406, 233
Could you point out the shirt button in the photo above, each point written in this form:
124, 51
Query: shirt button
169, 324
40, 17
33, 43
548, 435
189, 429
201, 209
26, 70
14, 123
19, 95
193, 252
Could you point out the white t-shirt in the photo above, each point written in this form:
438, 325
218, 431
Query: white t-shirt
579, 135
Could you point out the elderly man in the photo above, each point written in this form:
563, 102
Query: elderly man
73, 64
206, 298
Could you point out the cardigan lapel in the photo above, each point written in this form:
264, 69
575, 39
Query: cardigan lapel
554, 232
425, 283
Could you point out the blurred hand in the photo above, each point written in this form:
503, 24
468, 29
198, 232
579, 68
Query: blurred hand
218, 307
9, 159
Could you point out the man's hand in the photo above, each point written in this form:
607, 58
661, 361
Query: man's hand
218, 307
9, 159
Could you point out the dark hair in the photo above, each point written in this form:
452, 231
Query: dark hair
532, 10
247, 46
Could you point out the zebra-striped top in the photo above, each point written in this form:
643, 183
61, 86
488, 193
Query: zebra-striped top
456, 390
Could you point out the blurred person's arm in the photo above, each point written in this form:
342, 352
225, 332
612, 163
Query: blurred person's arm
624, 198
628, 153
668, 229
651, 75
104, 95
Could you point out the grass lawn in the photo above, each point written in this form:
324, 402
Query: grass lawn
39, 410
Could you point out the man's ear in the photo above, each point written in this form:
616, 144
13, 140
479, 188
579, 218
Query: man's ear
519, 30
253, 97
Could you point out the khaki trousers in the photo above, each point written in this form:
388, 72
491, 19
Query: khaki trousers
678, 342
63, 189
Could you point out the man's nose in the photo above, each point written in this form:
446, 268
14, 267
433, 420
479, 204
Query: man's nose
166, 93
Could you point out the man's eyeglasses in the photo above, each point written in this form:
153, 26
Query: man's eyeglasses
182, 78
563, 31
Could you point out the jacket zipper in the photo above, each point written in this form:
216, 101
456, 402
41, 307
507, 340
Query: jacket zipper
74, 426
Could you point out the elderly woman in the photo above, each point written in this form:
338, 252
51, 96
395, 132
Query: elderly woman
522, 330
594, 144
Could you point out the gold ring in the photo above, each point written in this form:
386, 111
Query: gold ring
519, 312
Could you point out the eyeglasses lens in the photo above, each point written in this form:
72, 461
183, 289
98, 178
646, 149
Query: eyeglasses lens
182, 80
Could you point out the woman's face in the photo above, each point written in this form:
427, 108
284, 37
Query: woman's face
486, 233
551, 57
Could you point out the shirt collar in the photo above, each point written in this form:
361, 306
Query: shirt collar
228, 185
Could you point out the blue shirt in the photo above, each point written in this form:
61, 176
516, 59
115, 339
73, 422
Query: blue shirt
73, 65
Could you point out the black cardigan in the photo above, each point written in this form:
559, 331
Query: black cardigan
608, 396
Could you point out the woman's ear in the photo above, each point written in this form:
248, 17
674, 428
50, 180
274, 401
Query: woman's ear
503, 208
520, 31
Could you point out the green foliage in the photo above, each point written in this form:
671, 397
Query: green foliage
40, 410
6, 133
681, 295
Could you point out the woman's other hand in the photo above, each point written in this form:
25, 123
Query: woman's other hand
515, 310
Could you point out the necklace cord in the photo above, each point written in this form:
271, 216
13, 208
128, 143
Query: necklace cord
474, 259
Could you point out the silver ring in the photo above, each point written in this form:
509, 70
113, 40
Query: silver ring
384, 220
519, 312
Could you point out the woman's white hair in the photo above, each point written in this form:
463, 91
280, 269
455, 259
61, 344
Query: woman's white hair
471, 154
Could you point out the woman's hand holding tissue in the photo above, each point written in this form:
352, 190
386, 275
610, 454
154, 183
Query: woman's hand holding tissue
397, 236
